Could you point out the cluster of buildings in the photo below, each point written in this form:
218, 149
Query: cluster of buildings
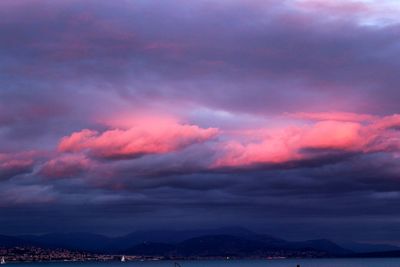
37, 254
33, 254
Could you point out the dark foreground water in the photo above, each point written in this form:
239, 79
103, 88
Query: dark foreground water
388, 262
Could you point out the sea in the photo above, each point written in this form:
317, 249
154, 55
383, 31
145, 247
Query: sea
359, 262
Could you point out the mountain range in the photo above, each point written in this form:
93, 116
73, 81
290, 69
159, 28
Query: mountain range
233, 241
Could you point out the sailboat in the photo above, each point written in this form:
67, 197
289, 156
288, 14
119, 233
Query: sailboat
123, 259
2, 261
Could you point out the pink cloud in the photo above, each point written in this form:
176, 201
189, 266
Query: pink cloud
331, 135
304, 136
12, 164
156, 138
65, 166
293, 143
15, 164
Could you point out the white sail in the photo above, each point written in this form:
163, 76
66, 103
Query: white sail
123, 259
2, 261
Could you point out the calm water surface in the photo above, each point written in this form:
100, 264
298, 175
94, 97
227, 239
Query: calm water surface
389, 262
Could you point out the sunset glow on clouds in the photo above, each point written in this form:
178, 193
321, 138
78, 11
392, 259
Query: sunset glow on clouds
67, 166
211, 110
312, 134
295, 143
136, 141
12, 164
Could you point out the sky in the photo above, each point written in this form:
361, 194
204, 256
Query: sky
281, 116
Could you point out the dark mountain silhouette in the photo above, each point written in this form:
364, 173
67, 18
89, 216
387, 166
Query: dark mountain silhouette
381, 254
150, 249
228, 245
174, 237
232, 241
219, 245
366, 248
72, 241
320, 244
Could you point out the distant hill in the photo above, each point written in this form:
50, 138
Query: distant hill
366, 248
232, 241
228, 245
321, 244
72, 241
382, 254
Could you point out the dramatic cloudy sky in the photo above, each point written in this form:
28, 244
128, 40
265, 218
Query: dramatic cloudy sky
277, 115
